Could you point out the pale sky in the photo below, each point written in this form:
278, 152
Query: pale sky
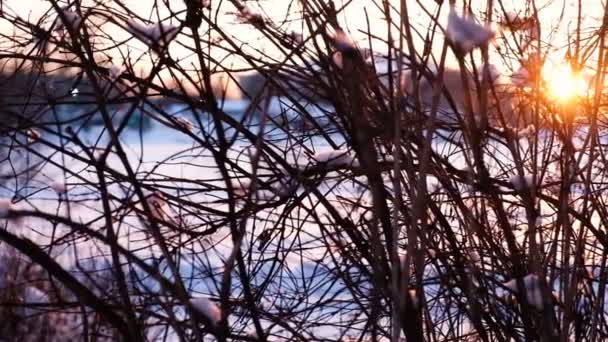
277, 10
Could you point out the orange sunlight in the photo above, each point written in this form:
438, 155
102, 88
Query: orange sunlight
562, 83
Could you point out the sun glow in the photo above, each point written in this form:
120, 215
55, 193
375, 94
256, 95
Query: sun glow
562, 83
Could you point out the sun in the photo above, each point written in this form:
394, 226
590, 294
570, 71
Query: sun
562, 83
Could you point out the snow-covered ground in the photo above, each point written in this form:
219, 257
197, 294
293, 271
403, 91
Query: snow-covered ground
165, 158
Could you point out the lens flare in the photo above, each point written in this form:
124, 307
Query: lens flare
562, 83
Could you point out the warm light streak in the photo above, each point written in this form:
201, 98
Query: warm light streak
563, 84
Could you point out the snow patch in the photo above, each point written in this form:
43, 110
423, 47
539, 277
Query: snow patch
336, 158
520, 183
208, 308
466, 33
59, 187
155, 34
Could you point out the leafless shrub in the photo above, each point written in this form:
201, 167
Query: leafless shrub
426, 177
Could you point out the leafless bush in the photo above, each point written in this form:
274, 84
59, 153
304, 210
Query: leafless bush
432, 179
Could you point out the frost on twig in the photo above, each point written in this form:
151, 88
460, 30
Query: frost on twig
520, 183
32, 135
156, 35
281, 188
159, 207
466, 33
331, 158
207, 308
526, 132
59, 187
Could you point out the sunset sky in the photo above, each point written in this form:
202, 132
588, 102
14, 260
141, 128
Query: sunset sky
353, 19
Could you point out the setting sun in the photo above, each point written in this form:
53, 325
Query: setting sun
562, 83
